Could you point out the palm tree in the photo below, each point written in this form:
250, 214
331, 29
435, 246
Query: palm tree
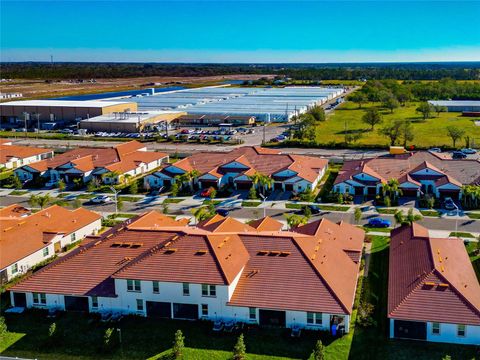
266, 182
392, 189
408, 219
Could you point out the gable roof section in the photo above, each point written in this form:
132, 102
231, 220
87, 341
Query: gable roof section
21, 236
266, 224
20, 152
225, 224
431, 279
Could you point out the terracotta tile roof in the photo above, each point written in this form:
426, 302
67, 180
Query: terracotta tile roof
14, 211
7, 152
431, 279
129, 147
264, 161
21, 236
276, 270
266, 224
397, 166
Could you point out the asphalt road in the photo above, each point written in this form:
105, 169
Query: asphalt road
431, 223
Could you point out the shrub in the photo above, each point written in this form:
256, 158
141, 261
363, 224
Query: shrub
240, 350
364, 314
319, 351
52, 329
252, 193
108, 339
178, 345
3, 327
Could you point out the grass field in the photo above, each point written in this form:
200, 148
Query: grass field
428, 133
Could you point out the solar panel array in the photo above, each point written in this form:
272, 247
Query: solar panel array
280, 104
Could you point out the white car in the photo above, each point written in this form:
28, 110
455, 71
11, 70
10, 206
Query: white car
101, 199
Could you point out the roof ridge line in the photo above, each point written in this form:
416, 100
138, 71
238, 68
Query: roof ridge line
410, 293
212, 249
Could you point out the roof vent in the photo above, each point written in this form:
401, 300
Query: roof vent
262, 253
170, 251
200, 252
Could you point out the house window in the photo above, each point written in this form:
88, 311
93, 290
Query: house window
461, 330
134, 285
139, 305
156, 287
204, 309
436, 328
73, 237
94, 302
14, 268
314, 318
252, 313
209, 290
39, 298
186, 289
45, 252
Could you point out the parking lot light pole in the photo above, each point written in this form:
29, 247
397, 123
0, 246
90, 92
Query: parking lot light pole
116, 198
264, 208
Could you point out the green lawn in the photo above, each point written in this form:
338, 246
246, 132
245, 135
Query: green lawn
321, 207
250, 203
373, 342
172, 201
473, 215
462, 234
348, 115
128, 198
430, 213
386, 211
375, 229
18, 192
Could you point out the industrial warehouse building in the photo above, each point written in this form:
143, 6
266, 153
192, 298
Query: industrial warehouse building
458, 105
265, 104
214, 119
128, 121
58, 111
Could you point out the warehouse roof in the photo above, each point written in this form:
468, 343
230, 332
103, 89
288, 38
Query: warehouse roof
130, 117
65, 103
455, 102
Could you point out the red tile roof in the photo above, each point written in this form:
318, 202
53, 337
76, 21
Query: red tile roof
21, 235
266, 224
431, 279
7, 152
397, 166
276, 269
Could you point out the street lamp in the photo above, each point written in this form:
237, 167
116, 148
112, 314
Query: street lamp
115, 191
264, 208
456, 219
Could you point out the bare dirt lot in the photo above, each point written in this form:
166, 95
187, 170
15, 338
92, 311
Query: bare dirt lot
42, 89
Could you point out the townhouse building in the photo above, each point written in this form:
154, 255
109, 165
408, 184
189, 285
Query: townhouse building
156, 266
14, 156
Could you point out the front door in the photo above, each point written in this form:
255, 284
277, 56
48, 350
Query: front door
272, 318
57, 247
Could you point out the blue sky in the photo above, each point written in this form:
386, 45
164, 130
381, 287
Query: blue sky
240, 31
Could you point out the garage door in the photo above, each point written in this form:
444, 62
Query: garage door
452, 194
159, 309
410, 329
272, 318
76, 303
409, 192
20, 299
185, 311
244, 185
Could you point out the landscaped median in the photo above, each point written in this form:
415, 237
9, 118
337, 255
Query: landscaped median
433, 213
300, 206
250, 203
172, 201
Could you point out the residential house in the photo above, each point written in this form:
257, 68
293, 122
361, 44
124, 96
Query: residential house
418, 173
149, 266
14, 156
108, 165
433, 292
28, 239
294, 173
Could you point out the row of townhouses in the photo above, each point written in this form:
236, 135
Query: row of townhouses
27, 239
13, 156
418, 173
108, 165
294, 173
223, 269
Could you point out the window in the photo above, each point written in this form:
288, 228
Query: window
139, 305
94, 302
14, 268
73, 237
156, 287
204, 309
209, 290
39, 298
252, 313
186, 289
314, 318
133, 285
461, 330
435, 328
45, 252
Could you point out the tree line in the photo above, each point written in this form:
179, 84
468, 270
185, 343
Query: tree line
315, 72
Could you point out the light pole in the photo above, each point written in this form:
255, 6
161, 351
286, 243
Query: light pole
264, 208
456, 219
25, 116
120, 340
116, 198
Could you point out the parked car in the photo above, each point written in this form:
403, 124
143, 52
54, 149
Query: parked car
223, 211
458, 155
379, 223
468, 151
314, 209
206, 192
448, 204
435, 150
101, 199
